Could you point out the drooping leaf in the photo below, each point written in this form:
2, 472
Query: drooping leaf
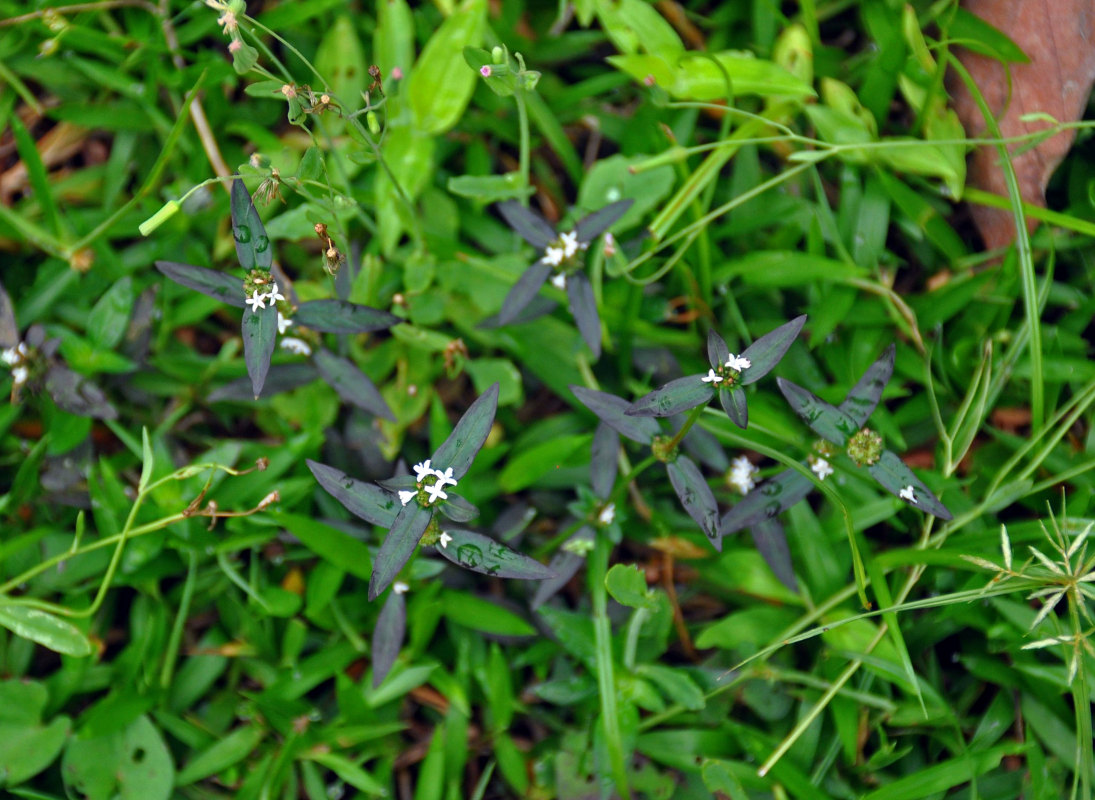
673, 398
218, 285
523, 292
351, 384
9, 330
603, 463
260, 333
770, 498
46, 629
529, 225
696, 496
482, 554
717, 351
78, 395
459, 450
583, 305
458, 509
593, 225
612, 411
864, 396
771, 543
564, 565
767, 351
735, 405
398, 546
828, 422
895, 476
365, 500
279, 378
252, 244
339, 316
391, 626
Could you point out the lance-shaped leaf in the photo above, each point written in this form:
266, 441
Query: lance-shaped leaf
218, 285
533, 228
48, 630
696, 497
583, 305
864, 396
391, 626
252, 243
482, 554
704, 447
398, 546
612, 411
602, 464
767, 500
523, 291
399, 483
279, 378
828, 422
77, 395
361, 499
466, 439
717, 351
673, 398
9, 330
767, 351
564, 565
896, 477
350, 383
260, 331
339, 316
771, 542
593, 225
734, 404
458, 509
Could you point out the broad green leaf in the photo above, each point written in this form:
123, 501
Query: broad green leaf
398, 546
693, 76
613, 412
770, 498
611, 179
981, 37
526, 467
676, 684
26, 745
896, 477
717, 351
252, 244
222, 754
310, 169
583, 305
487, 371
864, 396
133, 764
767, 351
483, 615
260, 331
393, 40
388, 634
593, 225
107, 321
339, 316
460, 448
482, 554
77, 395
842, 128
526, 288
218, 285
350, 383
627, 585
533, 228
340, 59
348, 771
331, 544
673, 398
695, 495
489, 188
409, 154
441, 83
786, 268
633, 25
826, 421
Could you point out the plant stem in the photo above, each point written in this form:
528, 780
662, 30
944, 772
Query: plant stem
523, 155
697, 412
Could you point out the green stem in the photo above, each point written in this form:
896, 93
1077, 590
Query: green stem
606, 679
697, 412
522, 126
175, 641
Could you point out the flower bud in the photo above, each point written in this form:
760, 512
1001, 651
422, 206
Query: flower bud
373, 123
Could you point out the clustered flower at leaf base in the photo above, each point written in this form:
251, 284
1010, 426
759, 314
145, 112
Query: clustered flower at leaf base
560, 255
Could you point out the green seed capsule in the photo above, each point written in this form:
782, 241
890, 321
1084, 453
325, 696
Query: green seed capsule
373, 123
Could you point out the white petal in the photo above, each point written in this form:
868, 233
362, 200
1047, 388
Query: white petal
445, 539
822, 468
298, 346
399, 587
908, 494
559, 281
422, 469
406, 496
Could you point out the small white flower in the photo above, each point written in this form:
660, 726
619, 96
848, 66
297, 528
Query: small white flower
399, 587
436, 491
422, 469
20, 375
10, 356
610, 245
257, 301
445, 539
908, 494
275, 294
559, 281
553, 255
741, 475
822, 468
738, 363
712, 377
569, 241
284, 323
445, 478
608, 513
406, 496
297, 346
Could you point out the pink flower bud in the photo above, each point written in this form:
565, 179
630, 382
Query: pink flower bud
485, 71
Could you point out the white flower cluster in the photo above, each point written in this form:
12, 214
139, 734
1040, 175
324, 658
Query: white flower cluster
434, 490
736, 363
741, 475
16, 357
607, 515
822, 468
259, 299
564, 249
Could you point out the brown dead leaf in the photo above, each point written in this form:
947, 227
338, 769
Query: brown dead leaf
1056, 35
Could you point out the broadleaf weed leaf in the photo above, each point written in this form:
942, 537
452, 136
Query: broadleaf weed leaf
9, 329
604, 461
398, 547
523, 291
767, 500
696, 496
533, 228
769, 349
612, 411
364, 500
458, 509
583, 306
564, 565
252, 244
218, 285
78, 395
771, 543
593, 225
260, 331
467, 438
861, 401
736, 406
828, 422
340, 316
717, 351
895, 477
391, 626
350, 383
676, 396
484, 555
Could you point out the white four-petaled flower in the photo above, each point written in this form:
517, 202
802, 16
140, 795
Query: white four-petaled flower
399, 587
284, 323
13, 355
445, 539
822, 468
435, 491
559, 281
741, 474
422, 469
274, 294
738, 363
406, 496
712, 377
19, 375
257, 301
608, 513
444, 478
908, 494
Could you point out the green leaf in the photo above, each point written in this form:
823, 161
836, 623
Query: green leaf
981, 37
770, 498
147, 460
864, 396
348, 771
132, 764
26, 746
611, 179
934, 780
221, 755
482, 554
522, 293
526, 467
487, 371
441, 84
339, 316
695, 77
260, 331
593, 225
696, 496
106, 323
828, 422
787, 268
767, 351
501, 80
895, 477
735, 405
77, 395
398, 546
458, 509
676, 684
331, 544
717, 351
252, 244
460, 448
393, 40
351, 384
564, 565
673, 398
489, 188
529, 225
340, 58
613, 412
483, 615
218, 285
391, 626
627, 585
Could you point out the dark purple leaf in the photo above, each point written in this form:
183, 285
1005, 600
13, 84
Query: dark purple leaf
771, 497
717, 351
673, 398
391, 626
252, 244
459, 450
533, 228
602, 465
896, 477
565, 565
260, 331
398, 547
364, 500
864, 396
612, 411
399, 483
523, 291
734, 404
696, 496
704, 446
767, 351
828, 422
280, 378
512, 521
771, 543
351, 384
593, 225
9, 330
218, 285
458, 509
537, 307
338, 316
583, 305
77, 395
482, 554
